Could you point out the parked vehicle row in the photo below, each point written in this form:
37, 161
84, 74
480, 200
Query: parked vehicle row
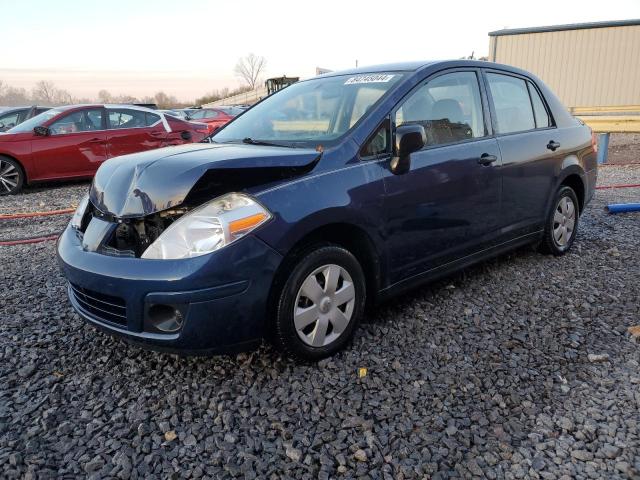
73, 141
332, 193
215, 117
12, 116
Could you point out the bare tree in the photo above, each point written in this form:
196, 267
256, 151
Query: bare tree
44, 92
249, 69
14, 97
165, 101
63, 97
104, 96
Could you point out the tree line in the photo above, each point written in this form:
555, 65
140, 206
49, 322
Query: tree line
46, 93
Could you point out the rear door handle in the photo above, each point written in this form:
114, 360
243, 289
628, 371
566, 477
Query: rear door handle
486, 159
96, 140
553, 146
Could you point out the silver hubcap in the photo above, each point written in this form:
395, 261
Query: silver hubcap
564, 221
9, 176
324, 305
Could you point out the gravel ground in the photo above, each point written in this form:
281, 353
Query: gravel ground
624, 148
486, 373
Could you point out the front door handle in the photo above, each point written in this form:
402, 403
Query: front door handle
96, 140
486, 159
553, 146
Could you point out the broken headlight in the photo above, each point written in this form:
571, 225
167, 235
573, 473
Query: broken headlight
76, 220
209, 227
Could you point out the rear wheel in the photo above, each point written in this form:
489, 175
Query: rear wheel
320, 304
11, 176
562, 224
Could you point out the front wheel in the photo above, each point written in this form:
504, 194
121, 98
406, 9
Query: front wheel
11, 176
562, 223
320, 304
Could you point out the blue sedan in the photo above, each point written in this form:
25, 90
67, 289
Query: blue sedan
338, 191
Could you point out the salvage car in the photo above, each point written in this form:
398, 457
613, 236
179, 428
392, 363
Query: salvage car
215, 118
12, 116
73, 141
334, 193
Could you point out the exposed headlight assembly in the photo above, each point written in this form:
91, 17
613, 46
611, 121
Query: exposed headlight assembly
76, 220
209, 227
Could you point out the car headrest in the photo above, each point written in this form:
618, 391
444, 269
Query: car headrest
447, 108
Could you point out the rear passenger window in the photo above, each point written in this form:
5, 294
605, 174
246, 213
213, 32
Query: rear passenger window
539, 110
448, 107
512, 104
124, 118
152, 118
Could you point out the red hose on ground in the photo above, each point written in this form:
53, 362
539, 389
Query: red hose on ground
628, 185
24, 241
618, 164
11, 216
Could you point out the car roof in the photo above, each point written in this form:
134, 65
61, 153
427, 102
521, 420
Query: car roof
64, 108
9, 109
416, 66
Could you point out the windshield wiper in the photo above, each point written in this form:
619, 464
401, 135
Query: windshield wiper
252, 141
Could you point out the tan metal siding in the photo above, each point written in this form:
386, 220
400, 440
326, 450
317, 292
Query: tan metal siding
587, 67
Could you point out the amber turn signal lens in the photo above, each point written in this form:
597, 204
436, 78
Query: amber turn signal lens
244, 224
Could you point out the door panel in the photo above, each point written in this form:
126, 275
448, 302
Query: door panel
132, 131
524, 129
70, 154
132, 140
528, 174
447, 206
76, 145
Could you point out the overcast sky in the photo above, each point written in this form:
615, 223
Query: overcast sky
189, 47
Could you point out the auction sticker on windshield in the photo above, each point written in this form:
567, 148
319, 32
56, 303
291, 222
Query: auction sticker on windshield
373, 78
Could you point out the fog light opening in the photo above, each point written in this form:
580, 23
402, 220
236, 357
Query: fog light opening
165, 318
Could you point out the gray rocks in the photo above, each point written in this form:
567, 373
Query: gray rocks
483, 374
582, 455
360, 455
599, 357
294, 454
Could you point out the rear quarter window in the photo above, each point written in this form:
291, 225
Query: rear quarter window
539, 110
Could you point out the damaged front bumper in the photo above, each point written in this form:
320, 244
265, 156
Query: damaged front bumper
220, 298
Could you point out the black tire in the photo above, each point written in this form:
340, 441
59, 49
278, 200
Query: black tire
550, 244
285, 335
11, 176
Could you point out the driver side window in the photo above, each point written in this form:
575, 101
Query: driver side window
79, 121
448, 107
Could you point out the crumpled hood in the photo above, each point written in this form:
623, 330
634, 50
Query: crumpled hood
148, 182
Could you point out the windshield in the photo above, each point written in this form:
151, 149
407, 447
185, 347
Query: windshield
36, 121
309, 112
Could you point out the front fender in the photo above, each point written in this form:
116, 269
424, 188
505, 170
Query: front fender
352, 195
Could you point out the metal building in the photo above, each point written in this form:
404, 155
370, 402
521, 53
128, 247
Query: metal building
585, 64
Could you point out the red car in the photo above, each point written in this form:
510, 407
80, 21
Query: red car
72, 141
215, 117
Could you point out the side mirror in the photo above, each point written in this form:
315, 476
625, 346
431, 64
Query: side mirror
409, 139
41, 131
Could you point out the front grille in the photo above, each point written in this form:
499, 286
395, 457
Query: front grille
104, 307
